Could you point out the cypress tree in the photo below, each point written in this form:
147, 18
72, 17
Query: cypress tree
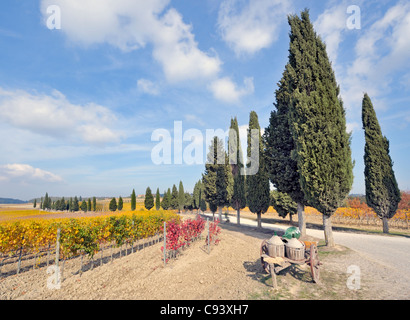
238, 201
166, 201
258, 189
382, 191
195, 196
181, 197
35, 203
133, 200
76, 205
88, 204
120, 203
174, 198
94, 204
84, 206
224, 183
113, 205
318, 124
198, 196
188, 201
283, 204
157, 200
46, 202
62, 205
149, 199
210, 176
281, 167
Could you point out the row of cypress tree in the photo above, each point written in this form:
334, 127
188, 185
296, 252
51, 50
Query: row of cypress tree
177, 199
305, 151
308, 153
72, 205
227, 182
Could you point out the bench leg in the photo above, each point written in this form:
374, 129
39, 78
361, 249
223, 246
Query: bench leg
273, 274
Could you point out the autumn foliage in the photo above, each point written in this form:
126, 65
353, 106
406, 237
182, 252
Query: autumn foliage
82, 235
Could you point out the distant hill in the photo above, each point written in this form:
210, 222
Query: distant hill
11, 201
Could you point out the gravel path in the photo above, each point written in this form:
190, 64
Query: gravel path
383, 258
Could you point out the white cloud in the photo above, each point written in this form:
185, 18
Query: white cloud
254, 26
132, 24
176, 49
147, 86
382, 51
330, 25
25, 172
53, 115
379, 58
224, 89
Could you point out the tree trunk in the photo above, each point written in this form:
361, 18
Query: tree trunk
385, 225
238, 216
259, 220
327, 225
220, 213
301, 219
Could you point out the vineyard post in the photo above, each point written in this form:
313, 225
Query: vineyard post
19, 262
132, 238
165, 243
207, 230
57, 254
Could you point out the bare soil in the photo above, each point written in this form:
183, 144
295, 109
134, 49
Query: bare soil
231, 271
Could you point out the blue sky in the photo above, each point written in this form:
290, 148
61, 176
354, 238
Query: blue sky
79, 104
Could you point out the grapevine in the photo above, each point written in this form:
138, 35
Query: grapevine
79, 236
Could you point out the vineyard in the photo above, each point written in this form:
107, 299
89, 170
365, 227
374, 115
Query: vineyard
34, 242
358, 213
34, 239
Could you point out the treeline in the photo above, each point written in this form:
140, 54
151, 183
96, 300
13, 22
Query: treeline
70, 205
176, 198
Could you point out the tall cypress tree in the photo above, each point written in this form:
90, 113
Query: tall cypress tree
149, 199
46, 202
238, 201
217, 178
166, 201
258, 189
382, 191
120, 203
318, 124
157, 200
94, 204
181, 197
76, 205
224, 184
133, 200
210, 175
281, 166
174, 197
195, 196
